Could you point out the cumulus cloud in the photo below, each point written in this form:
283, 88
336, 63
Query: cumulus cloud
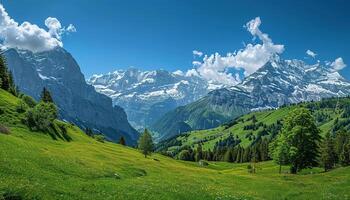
338, 64
29, 36
215, 67
197, 53
311, 53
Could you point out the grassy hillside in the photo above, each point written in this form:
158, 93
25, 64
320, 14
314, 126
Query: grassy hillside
330, 115
33, 165
218, 107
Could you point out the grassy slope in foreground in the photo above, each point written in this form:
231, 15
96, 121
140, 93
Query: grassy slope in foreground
35, 166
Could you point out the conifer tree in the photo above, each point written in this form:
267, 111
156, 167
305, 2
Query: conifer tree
145, 143
4, 75
122, 141
228, 156
345, 155
46, 96
199, 153
12, 87
328, 155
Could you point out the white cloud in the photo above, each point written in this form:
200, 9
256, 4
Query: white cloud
71, 28
30, 36
338, 64
192, 72
178, 72
311, 53
196, 63
250, 59
197, 53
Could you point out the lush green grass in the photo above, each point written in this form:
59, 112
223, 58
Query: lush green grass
34, 166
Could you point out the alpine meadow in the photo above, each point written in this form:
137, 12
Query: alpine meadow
167, 100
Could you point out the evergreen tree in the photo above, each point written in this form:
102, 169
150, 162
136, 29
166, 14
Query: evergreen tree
341, 139
145, 143
345, 155
89, 132
302, 139
4, 75
199, 153
12, 87
122, 141
228, 156
46, 96
328, 155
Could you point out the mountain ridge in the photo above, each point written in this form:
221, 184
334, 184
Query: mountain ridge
146, 95
277, 83
77, 101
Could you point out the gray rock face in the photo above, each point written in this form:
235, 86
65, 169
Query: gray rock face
78, 102
147, 95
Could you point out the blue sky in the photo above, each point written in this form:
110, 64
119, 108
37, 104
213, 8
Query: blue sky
162, 33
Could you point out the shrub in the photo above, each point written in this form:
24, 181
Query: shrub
29, 101
41, 116
4, 129
100, 138
21, 107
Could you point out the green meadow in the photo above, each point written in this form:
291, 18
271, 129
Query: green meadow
36, 165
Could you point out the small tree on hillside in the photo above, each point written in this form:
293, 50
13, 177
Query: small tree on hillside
12, 87
280, 152
4, 75
199, 153
145, 143
46, 96
122, 141
328, 154
344, 157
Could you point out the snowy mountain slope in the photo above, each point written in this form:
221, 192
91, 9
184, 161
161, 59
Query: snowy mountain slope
147, 95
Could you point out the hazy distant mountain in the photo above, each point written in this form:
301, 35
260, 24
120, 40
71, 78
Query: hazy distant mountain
147, 95
277, 83
78, 102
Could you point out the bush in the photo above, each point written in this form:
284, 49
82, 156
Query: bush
21, 107
203, 163
41, 116
4, 129
29, 101
100, 138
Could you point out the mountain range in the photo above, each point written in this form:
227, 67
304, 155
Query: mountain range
277, 83
148, 95
77, 101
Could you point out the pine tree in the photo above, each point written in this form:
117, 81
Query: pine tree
89, 132
4, 75
228, 156
328, 155
12, 87
199, 153
145, 143
345, 155
122, 141
46, 96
